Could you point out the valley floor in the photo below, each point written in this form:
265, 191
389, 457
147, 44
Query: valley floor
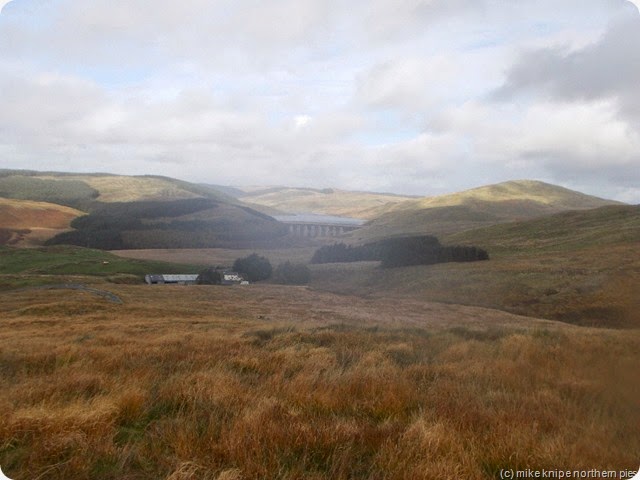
266, 381
589, 286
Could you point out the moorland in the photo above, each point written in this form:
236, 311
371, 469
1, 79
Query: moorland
447, 371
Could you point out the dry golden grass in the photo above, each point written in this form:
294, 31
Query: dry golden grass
592, 287
270, 382
34, 222
28, 214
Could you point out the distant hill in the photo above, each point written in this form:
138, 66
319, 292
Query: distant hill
483, 206
83, 190
138, 212
26, 223
286, 200
234, 192
160, 212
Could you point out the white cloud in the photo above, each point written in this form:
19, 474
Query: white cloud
300, 121
408, 83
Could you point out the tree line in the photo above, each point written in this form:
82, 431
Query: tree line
401, 251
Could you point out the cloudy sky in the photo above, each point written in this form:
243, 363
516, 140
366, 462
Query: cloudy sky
407, 96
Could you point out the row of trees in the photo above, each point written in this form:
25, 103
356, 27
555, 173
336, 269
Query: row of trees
342, 253
255, 268
402, 251
392, 252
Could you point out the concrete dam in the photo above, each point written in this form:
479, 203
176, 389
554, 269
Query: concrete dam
311, 226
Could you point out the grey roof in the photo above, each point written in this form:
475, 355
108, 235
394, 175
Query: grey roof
180, 278
171, 277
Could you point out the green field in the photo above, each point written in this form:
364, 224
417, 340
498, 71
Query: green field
36, 266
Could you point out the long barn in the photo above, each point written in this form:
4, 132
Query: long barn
153, 279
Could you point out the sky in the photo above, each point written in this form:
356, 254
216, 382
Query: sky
418, 97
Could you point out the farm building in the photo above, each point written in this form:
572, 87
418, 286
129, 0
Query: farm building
231, 278
153, 279
226, 278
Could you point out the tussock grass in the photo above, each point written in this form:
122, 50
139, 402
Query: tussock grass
286, 383
590, 286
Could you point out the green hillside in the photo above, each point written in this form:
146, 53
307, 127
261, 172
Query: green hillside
159, 212
71, 193
82, 190
489, 205
567, 231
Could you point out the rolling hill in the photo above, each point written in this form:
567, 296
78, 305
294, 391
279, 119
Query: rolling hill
483, 206
284, 200
160, 212
83, 190
137, 212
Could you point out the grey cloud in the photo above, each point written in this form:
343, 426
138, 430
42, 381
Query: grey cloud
609, 68
563, 143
